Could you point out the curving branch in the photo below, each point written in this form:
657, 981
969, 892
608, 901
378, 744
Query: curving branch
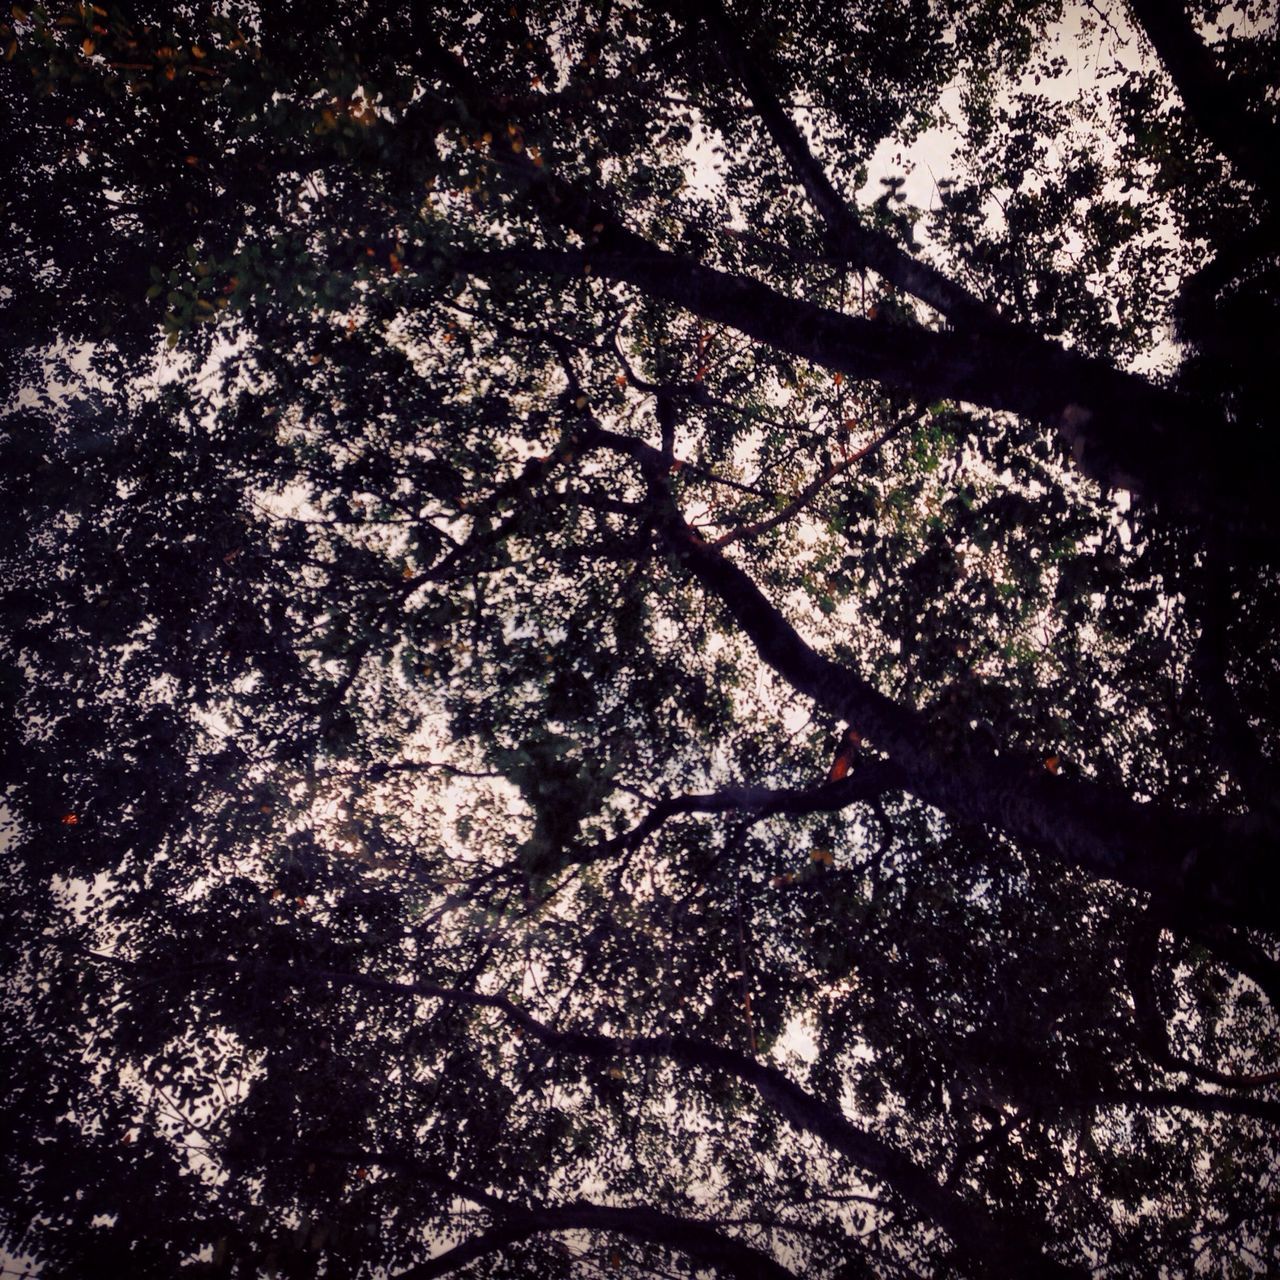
1141, 962
514, 1221
987, 1244
699, 1241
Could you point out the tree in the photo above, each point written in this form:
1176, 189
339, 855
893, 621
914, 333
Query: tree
586, 695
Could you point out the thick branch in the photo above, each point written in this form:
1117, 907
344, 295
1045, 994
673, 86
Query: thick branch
1122, 431
1248, 139
1195, 867
1192, 1100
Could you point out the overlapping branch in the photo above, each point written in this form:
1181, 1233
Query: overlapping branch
1197, 868
1122, 431
988, 1245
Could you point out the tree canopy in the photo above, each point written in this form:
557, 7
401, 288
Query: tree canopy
601, 679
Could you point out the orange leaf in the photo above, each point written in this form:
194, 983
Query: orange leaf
1053, 763
88, 47
849, 743
70, 819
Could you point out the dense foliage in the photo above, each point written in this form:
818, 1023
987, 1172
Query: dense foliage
589, 689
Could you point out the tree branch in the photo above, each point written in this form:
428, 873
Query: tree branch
872, 778
1122, 431
697, 1240
1196, 867
1245, 136
1189, 1100
849, 238
988, 1245
1142, 958
803, 498
515, 1221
